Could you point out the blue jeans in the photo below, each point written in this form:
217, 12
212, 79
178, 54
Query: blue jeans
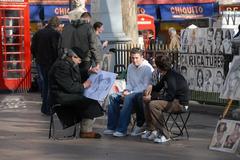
119, 116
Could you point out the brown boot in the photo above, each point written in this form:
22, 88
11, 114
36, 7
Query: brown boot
90, 135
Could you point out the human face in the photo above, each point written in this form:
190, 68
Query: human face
76, 59
162, 72
219, 78
207, 75
233, 80
137, 59
100, 29
200, 78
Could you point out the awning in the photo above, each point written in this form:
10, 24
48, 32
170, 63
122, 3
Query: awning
180, 12
150, 9
49, 11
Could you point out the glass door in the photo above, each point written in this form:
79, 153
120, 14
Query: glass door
12, 34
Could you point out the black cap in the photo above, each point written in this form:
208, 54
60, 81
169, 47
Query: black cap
78, 51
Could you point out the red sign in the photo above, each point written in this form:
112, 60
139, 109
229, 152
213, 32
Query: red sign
146, 22
172, 2
229, 8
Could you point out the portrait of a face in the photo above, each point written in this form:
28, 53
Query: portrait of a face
231, 88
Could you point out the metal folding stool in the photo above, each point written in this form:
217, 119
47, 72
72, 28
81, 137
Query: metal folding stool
179, 121
52, 128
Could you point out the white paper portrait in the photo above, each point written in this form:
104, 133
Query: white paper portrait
231, 87
101, 84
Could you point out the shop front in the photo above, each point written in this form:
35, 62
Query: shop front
180, 16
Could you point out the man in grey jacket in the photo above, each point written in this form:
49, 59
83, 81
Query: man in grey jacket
81, 34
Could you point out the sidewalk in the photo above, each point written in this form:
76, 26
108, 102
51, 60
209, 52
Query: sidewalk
24, 136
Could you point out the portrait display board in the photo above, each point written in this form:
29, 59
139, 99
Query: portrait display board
102, 82
231, 88
202, 57
226, 136
215, 41
202, 72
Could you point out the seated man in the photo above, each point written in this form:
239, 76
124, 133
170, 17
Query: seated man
67, 89
138, 78
170, 94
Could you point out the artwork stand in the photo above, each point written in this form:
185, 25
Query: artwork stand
226, 109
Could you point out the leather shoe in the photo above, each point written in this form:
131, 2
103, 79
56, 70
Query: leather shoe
90, 135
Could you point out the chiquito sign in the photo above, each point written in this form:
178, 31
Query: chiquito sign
186, 11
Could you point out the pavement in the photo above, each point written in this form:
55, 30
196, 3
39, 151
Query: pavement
24, 136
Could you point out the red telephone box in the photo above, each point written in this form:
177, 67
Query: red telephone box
15, 58
146, 24
146, 28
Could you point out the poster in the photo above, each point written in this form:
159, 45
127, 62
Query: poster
226, 136
203, 72
101, 84
231, 88
215, 41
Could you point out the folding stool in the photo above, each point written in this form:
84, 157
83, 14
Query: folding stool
179, 119
52, 128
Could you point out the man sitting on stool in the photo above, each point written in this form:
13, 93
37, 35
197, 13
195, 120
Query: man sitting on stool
170, 94
67, 89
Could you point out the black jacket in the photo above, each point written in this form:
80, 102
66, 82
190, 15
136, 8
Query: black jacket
173, 86
66, 89
44, 46
82, 35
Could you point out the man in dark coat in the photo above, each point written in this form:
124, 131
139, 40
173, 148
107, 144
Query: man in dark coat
45, 51
67, 89
170, 94
81, 34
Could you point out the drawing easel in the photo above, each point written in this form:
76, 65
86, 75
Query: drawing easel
229, 104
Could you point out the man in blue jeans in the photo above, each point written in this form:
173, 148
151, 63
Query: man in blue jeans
138, 77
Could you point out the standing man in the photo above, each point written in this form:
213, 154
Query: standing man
81, 34
138, 78
173, 96
45, 50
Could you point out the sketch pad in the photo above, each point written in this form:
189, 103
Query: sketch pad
102, 82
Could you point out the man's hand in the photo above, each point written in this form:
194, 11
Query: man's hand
148, 91
147, 98
105, 44
124, 94
87, 83
94, 69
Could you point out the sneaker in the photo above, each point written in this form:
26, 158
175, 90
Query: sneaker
146, 134
153, 135
108, 131
137, 131
162, 139
119, 134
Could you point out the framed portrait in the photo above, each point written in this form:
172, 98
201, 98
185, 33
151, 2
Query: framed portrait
226, 136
